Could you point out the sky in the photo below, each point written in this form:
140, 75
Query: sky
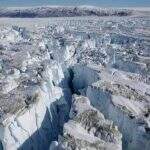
101, 3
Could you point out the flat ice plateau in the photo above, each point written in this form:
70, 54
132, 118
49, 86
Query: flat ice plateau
74, 78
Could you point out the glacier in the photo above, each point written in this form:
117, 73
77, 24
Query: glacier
74, 78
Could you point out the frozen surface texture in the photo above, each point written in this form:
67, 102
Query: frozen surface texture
79, 79
88, 129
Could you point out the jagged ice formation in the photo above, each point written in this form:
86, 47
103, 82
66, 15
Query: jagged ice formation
75, 83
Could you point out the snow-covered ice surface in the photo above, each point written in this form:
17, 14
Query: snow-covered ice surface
78, 79
88, 129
